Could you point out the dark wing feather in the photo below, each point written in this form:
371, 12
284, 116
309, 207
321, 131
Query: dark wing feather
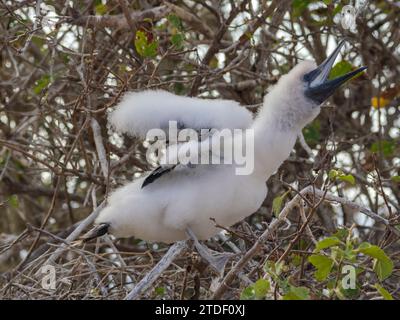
96, 232
164, 169
156, 173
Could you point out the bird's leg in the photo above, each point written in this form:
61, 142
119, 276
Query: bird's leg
216, 260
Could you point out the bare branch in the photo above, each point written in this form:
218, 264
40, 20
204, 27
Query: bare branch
119, 21
144, 284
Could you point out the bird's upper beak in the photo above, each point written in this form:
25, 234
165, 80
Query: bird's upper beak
319, 88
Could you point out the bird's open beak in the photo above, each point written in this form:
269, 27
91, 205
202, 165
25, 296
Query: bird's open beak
319, 87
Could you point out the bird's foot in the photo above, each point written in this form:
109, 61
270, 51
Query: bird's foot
216, 260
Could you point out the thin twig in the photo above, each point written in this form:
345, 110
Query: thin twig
76, 233
321, 195
144, 284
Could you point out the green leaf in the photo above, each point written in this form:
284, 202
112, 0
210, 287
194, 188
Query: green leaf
337, 9
383, 292
333, 174
213, 63
149, 20
144, 47
372, 251
338, 174
347, 178
261, 288
274, 268
312, 134
383, 268
387, 147
41, 84
277, 203
349, 253
298, 6
323, 264
297, 293
179, 88
101, 9
345, 294
296, 260
326, 243
383, 265
13, 201
340, 69
177, 40
248, 293
395, 179
150, 50
160, 291
341, 234
175, 21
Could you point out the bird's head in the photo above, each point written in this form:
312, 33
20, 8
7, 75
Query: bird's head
305, 88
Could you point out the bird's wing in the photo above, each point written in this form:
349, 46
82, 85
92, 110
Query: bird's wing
138, 112
157, 173
171, 163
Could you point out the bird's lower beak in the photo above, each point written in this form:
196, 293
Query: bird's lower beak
319, 87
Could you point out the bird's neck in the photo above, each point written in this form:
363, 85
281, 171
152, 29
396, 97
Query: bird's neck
275, 133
